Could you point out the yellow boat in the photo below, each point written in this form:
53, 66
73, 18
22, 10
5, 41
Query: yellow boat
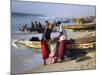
30, 44
82, 26
37, 44
81, 46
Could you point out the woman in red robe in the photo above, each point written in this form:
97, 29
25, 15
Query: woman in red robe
44, 43
45, 50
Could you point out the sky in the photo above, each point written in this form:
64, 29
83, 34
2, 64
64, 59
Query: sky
52, 9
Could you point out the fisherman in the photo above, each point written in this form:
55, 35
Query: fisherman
24, 28
32, 27
61, 42
36, 25
44, 42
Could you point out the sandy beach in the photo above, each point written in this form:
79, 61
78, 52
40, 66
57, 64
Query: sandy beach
28, 60
86, 62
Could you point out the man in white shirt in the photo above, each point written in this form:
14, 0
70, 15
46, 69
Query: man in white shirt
62, 41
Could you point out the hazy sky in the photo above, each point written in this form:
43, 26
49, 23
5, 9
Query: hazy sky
51, 9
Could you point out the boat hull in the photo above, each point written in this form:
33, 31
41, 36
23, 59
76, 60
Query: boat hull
37, 44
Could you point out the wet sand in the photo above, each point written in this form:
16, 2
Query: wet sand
83, 63
23, 59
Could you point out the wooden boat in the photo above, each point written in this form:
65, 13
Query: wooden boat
81, 46
29, 44
71, 44
86, 42
81, 27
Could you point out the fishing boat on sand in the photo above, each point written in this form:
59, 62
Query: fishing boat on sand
81, 27
70, 44
83, 42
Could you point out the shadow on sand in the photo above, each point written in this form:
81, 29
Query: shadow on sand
77, 54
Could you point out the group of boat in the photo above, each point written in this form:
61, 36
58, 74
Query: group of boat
85, 42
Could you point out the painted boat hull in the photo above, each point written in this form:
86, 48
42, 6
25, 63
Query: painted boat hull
37, 44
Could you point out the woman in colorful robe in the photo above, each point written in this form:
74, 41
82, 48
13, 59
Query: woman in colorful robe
44, 43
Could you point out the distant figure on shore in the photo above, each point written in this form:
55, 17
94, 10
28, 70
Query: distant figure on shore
40, 25
44, 42
32, 26
36, 25
23, 28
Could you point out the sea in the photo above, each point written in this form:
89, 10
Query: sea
24, 59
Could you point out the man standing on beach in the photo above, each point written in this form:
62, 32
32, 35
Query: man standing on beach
62, 42
44, 42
